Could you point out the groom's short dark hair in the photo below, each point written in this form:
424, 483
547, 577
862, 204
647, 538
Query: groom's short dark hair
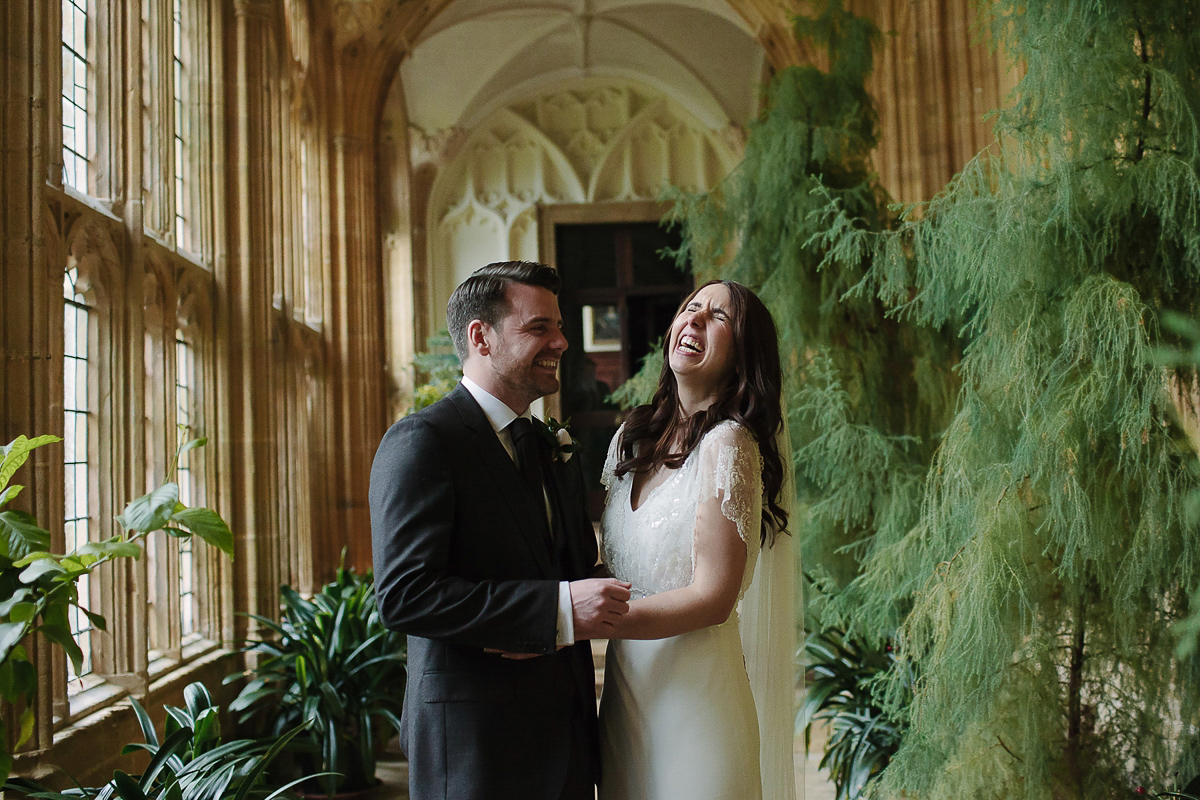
483, 296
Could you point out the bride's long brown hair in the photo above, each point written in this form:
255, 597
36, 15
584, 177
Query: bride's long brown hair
751, 398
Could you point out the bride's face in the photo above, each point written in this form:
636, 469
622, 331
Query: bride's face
701, 341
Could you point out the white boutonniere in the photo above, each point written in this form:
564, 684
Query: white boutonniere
558, 437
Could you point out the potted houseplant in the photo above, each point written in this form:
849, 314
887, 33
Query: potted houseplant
190, 762
329, 663
864, 732
38, 587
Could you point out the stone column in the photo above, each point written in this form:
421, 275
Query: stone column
245, 293
933, 82
31, 318
358, 313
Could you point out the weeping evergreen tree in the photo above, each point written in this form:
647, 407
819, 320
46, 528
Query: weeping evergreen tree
868, 392
1019, 521
1053, 554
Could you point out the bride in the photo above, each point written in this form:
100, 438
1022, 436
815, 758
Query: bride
696, 706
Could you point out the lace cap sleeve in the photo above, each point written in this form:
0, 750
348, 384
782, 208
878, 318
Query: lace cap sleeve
731, 468
608, 475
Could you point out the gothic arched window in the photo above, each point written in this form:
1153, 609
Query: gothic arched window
75, 117
78, 418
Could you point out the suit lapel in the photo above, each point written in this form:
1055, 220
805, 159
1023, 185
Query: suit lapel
495, 465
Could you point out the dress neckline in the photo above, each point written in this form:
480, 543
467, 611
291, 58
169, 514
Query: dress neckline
674, 473
653, 490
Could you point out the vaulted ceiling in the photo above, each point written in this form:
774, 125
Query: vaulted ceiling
476, 55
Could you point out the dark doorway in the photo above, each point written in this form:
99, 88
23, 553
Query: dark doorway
618, 298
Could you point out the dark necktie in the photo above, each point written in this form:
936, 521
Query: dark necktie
529, 458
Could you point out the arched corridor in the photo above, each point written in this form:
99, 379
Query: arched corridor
241, 219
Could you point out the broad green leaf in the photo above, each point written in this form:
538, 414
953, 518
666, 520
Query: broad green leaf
332, 751
208, 525
17, 451
193, 444
24, 673
27, 720
311, 709
177, 719
98, 621
334, 707
20, 534
150, 512
256, 774
23, 612
61, 636
302, 676
177, 743
10, 493
56, 612
116, 547
127, 787
10, 634
37, 569
39, 555
19, 596
197, 699
144, 721
283, 789
78, 563
208, 730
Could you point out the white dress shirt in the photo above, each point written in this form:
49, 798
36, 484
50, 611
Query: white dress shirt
500, 416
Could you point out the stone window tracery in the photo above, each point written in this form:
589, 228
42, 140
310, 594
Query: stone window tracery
78, 416
187, 477
75, 118
179, 86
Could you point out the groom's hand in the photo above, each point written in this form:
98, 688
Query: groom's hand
597, 604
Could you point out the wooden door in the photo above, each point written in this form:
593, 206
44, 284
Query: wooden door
619, 295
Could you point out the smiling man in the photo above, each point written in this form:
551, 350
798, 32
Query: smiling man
483, 551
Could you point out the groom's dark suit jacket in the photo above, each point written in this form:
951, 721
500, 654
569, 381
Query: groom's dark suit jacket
462, 565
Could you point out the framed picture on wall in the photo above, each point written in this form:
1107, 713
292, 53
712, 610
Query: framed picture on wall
601, 329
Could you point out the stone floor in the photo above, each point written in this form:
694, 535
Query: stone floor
394, 774
816, 783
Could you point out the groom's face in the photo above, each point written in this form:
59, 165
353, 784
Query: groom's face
525, 346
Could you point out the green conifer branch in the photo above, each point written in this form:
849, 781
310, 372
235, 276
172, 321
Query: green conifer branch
985, 445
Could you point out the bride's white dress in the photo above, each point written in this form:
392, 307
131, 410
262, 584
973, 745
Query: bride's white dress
677, 716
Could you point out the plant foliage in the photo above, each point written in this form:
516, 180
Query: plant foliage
864, 734
190, 762
38, 587
332, 666
440, 365
869, 392
984, 440
639, 389
1053, 551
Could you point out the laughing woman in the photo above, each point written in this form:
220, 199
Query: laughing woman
696, 494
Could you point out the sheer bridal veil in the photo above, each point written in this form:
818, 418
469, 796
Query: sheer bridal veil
769, 611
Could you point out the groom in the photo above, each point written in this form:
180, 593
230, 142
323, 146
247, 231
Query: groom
482, 550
